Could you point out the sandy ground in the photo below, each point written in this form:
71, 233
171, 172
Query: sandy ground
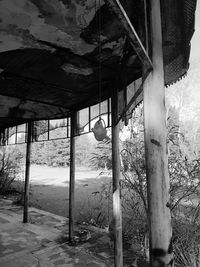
49, 189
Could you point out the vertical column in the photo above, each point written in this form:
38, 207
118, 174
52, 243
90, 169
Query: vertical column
156, 150
72, 177
117, 213
27, 172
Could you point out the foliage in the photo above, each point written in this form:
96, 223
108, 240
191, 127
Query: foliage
184, 166
184, 170
39, 128
85, 146
56, 152
53, 152
133, 159
9, 168
133, 183
102, 156
187, 243
93, 212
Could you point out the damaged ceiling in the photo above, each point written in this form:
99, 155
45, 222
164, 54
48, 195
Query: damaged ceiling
62, 55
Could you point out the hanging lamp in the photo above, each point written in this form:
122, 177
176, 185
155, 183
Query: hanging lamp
99, 129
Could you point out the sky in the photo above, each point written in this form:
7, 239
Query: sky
195, 43
186, 93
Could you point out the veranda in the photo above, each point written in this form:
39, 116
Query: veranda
57, 58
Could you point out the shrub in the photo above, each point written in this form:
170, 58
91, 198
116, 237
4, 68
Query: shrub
187, 242
9, 168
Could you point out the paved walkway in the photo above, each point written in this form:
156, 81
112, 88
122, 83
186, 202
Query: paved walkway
43, 241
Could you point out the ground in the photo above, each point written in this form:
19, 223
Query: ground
42, 242
49, 192
50, 189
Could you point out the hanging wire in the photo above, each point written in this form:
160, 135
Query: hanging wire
146, 26
99, 39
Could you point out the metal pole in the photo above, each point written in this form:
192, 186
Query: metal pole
72, 177
117, 214
156, 151
27, 172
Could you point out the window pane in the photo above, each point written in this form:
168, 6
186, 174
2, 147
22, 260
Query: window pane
57, 129
12, 135
21, 133
40, 130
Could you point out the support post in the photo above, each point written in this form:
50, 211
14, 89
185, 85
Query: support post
117, 214
27, 172
156, 151
72, 177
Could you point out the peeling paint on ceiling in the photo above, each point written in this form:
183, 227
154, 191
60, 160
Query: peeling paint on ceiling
54, 21
55, 53
51, 51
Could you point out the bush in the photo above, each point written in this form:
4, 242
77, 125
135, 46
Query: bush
9, 168
102, 156
187, 242
184, 170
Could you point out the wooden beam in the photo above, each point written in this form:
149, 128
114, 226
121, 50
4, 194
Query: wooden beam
156, 151
137, 45
72, 177
27, 172
117, 214
133, 99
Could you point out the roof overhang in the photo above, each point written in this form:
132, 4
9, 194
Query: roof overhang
63, 55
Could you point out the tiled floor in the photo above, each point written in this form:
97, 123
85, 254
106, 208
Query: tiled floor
43, 242
40, 243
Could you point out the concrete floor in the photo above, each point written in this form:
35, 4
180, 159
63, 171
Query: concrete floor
42, 242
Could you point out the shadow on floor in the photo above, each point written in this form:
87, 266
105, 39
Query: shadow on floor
43, 242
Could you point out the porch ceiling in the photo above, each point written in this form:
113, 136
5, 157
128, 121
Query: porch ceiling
51, 61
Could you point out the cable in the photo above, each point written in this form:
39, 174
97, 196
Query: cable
100, 73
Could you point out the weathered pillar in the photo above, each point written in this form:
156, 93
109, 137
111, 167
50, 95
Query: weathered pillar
117, 214
72, 177
156, 151
27, 172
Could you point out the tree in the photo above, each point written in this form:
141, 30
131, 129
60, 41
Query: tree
39, 128
184, 164
184, 170
52, 152
85, 146
10, 167
102, 156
